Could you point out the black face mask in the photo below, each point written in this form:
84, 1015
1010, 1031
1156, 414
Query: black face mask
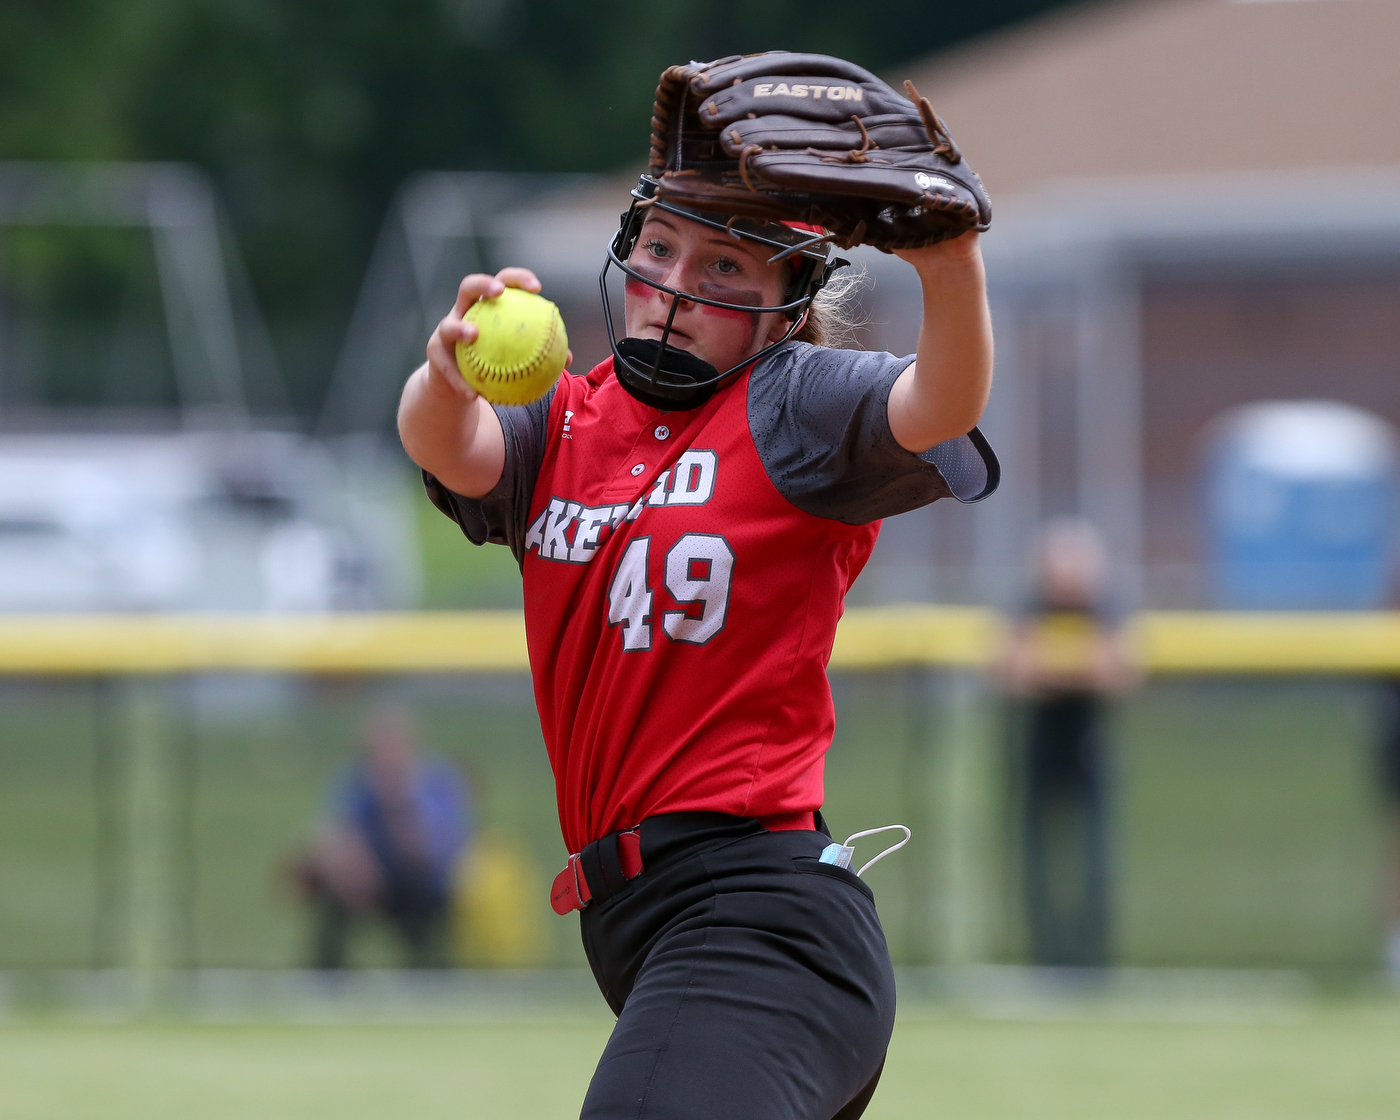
663, 376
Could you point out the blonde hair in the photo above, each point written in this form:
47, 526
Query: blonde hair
834, 318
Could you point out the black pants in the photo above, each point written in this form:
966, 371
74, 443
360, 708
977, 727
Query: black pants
1066, 832
750, 981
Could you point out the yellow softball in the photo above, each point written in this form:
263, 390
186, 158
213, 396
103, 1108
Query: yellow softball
519, 351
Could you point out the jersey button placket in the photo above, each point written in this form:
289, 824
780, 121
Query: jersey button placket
638, 469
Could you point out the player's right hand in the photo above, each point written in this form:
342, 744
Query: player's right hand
442, 346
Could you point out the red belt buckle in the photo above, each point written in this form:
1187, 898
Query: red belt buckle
570, 890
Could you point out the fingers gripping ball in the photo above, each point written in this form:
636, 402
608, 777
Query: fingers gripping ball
520, 349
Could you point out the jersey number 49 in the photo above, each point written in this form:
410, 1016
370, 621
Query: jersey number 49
699, 570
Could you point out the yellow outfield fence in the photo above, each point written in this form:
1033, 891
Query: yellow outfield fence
1166, 642
145, 746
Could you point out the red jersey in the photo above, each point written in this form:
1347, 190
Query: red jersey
684, 573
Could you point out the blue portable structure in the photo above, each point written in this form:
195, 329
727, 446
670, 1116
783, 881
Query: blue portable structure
1302, 503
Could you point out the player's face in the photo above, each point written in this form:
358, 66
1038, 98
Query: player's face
702, 261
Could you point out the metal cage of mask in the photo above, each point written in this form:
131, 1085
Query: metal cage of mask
666, 377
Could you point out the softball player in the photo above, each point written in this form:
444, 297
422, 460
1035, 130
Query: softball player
688, 517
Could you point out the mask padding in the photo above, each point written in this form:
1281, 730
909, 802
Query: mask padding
680, 383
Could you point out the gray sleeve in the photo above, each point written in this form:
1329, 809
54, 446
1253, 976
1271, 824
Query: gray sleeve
501, 516
820, 422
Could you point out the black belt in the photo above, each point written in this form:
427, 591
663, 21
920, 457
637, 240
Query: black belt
606, 865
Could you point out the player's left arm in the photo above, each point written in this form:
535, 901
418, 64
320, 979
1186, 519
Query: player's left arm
942, 394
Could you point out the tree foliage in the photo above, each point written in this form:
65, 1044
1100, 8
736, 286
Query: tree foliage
309, 113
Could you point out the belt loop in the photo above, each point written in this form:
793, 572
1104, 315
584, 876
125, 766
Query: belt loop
629, 853
590, 862
610, 862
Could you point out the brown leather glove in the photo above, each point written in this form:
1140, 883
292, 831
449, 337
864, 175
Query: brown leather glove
810, 138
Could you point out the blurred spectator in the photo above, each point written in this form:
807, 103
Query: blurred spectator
388, 848
1390, 779
1064, 659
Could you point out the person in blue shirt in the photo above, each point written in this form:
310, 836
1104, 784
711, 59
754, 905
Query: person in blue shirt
394, 829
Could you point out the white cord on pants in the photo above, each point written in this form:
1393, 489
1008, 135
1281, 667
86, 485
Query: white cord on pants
840, 854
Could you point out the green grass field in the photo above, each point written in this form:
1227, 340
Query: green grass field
1334, 1064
